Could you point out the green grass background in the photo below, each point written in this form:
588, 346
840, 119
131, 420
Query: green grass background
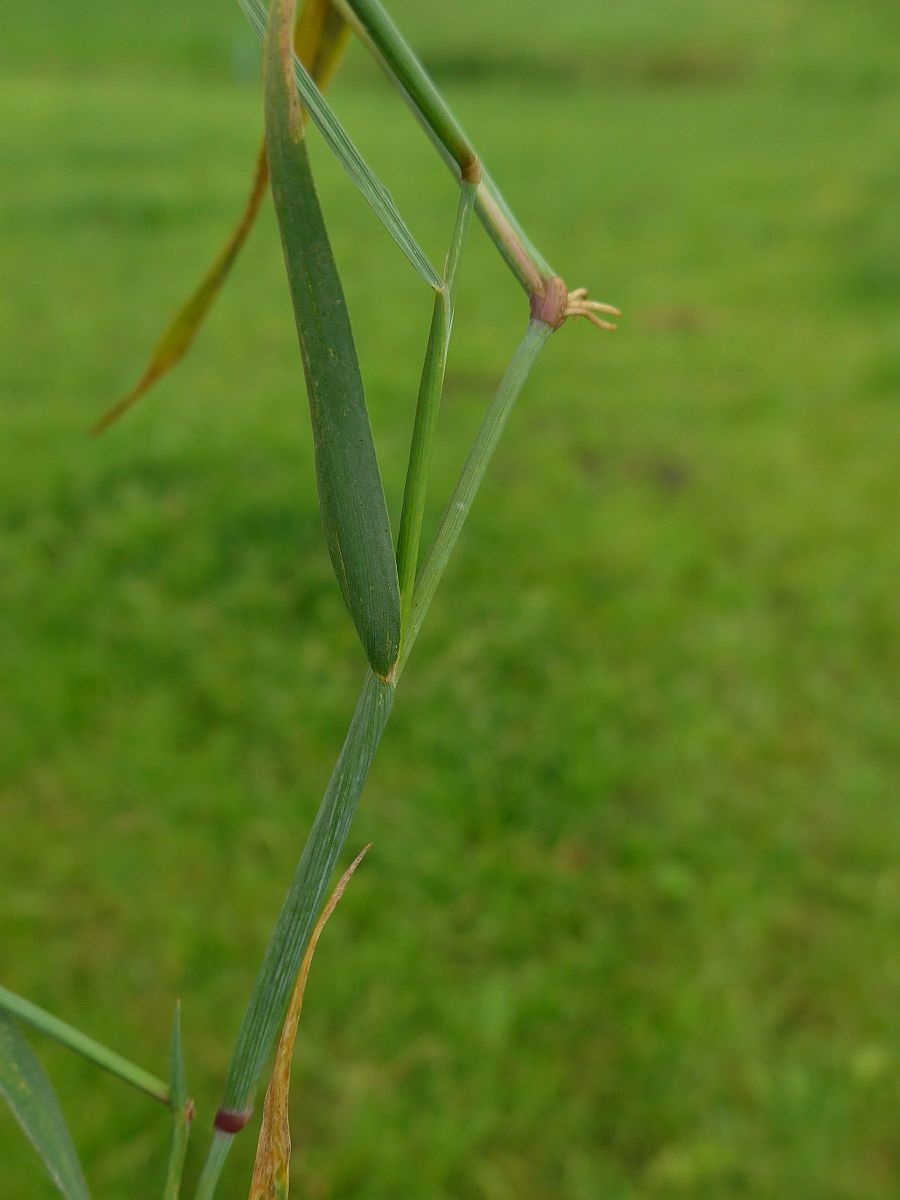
630, 926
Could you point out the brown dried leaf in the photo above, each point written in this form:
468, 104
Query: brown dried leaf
271, 1170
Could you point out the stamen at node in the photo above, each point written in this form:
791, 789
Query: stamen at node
578, 305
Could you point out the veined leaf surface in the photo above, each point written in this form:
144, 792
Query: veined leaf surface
351, 497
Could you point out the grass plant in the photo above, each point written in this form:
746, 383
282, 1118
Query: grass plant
634, 884
372, 577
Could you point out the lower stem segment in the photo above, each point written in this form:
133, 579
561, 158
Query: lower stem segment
307, 891
296, 920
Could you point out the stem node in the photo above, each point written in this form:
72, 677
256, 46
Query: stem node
550, 302
227, 1120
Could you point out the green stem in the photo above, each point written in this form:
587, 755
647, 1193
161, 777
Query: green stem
431, 387
92, 1050
396, 57
182, 1112
385, 41
470, 478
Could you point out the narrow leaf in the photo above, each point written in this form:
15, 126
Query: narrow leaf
271, 1171
182, 1111
319, 40
86, 1046
351, 497
177, 338
293, 929
33, 1101
360, 173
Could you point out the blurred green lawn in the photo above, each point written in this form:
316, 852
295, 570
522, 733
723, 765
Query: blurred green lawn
630, 926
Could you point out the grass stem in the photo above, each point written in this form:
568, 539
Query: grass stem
469, 481
396, 57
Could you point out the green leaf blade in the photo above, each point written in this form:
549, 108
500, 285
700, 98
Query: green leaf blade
351, 496
296, 921
94, 1051
35, 1107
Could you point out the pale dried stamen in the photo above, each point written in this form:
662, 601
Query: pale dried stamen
578, 305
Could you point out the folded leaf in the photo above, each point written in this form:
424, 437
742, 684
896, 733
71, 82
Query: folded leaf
351, 497
32, 1099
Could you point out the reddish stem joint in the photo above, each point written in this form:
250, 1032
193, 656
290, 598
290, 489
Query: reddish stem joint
228, 1121
554, 304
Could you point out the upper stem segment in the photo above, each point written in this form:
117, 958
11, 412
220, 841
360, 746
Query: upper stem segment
397, 58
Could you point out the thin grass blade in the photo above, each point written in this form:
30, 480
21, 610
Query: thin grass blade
271, 1171
320, 38
351, 496
34, 1105
373, 190
182, 1111
296, 921
87, 1047
179, 335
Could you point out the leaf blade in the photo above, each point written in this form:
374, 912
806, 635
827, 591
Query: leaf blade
320, 37
35, 1107
94, 1051
351, 496
271, 1170
178, 336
